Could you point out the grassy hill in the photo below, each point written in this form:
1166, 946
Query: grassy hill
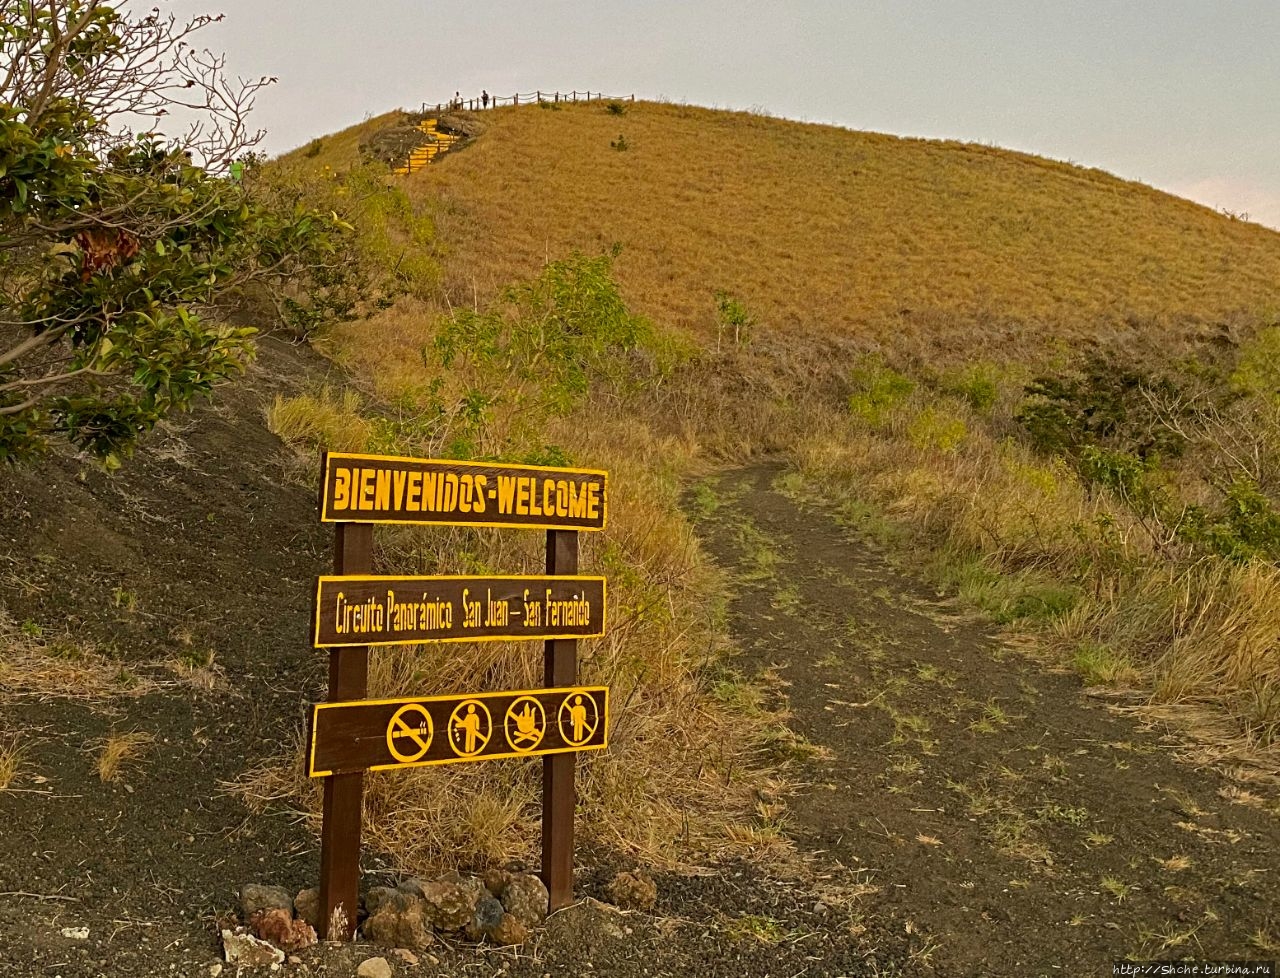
921, 245
1125, 511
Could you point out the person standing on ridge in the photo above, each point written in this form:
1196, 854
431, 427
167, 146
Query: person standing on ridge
484, 98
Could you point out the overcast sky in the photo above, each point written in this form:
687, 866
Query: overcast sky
1180, 94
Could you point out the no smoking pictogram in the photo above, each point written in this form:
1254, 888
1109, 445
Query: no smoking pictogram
411, 726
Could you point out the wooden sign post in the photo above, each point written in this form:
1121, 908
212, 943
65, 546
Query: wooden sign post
350, 734
344, 793
559, 790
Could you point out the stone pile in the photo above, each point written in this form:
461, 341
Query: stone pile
502, 908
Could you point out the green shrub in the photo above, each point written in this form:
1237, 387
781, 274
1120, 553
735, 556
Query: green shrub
878, 390
933, 430
1246, 524
976, 385
1104, 403
732, 315
1258, 368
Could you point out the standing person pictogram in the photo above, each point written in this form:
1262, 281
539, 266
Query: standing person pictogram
470, 727
578, 719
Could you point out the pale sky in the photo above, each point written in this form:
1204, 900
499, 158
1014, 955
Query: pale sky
1180, 94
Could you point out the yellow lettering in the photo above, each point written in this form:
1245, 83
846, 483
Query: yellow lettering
382, 490
522, 495
593, 501
366, 489
398, 480
464, 495
429, 483
449, 492
506, 493
477, 504
548, 497
577, 501
341, 488
414, 499
562, 498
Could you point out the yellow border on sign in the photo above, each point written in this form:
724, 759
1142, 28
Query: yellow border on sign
406, 700
324, 492
604, 606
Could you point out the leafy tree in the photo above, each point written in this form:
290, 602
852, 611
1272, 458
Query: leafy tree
117, 240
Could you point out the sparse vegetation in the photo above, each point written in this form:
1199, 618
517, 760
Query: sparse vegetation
119, 749
11, 758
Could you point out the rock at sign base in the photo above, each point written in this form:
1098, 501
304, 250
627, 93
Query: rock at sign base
256, 896
496, 880
450, 905
401, 921
377, 896
509, 931
278, 926
488, 915
247, 951
374, 968
525, 898
633, 891
75, 933
307, 903
405, 955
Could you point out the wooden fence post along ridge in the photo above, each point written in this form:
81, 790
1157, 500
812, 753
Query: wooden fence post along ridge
355, 610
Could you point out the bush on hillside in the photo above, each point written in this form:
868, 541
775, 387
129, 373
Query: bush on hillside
112, 243
1105, 402
539, 350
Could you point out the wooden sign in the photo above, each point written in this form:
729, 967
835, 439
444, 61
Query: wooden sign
405, 610
377, 735
385, 489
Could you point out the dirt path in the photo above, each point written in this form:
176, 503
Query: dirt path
1021, 827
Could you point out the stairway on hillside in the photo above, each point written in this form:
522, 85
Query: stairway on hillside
438, 142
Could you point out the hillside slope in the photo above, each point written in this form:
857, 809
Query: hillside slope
828, 230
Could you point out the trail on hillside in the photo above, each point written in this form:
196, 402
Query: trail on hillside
980, 798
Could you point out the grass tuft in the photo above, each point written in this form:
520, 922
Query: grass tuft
118, 749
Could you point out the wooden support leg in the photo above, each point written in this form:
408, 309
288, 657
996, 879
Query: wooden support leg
344, 793
559, 794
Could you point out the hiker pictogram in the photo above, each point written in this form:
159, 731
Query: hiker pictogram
411, 724
578, 719
525, 724
470, 727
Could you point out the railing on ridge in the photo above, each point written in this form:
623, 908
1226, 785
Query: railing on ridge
524, 98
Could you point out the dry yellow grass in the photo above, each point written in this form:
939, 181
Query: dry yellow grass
923, 246
32, 662
835, 241
673, 784
11, 756
118, 749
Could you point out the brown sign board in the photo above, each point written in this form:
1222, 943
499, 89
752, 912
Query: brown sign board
352, 611
377, 735
388, 489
